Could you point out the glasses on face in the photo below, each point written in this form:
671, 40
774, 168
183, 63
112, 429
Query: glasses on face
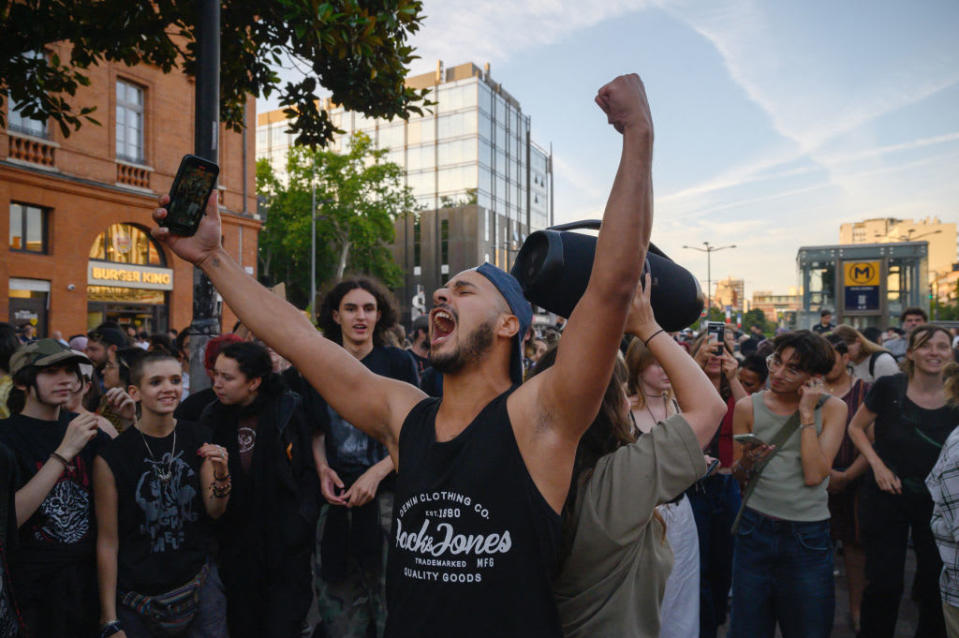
791, 372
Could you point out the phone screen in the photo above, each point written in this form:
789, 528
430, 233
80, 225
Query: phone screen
717, 329
189, 194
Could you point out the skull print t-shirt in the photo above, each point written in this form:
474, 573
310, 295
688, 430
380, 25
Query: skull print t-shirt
162, 527
62, 531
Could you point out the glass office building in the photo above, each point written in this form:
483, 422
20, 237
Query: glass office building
473, 147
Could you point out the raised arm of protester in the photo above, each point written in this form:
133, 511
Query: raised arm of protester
550, 413
375, 404
701, 406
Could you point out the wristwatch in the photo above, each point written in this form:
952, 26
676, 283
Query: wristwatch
110, 628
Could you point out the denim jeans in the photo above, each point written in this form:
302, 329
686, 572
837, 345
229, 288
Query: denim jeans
782, 573
715, 501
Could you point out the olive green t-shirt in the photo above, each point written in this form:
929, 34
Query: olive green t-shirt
612, 582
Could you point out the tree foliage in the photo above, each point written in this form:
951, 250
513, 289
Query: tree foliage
755, 317
358, 196
357, 49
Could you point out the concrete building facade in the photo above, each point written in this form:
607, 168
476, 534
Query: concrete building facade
730, 293
78, 208
942, 238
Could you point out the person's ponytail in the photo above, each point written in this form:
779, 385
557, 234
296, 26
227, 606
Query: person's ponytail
950, 377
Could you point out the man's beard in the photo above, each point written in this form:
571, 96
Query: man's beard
477, 344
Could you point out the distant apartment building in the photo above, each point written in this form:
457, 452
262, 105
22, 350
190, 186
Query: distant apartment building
942, 238
730, 293
779, 309
471, 155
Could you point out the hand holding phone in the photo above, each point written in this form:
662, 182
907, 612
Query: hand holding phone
195, 180
748, 440
716, 329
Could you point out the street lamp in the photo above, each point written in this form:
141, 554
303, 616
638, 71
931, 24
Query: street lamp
709, 250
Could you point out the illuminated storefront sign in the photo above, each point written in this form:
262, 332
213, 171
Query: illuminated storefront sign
101, 273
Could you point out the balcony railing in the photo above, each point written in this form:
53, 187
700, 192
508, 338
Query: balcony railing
32, 150
132, 175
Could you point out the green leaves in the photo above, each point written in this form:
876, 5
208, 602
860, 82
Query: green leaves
358, 196
354, 48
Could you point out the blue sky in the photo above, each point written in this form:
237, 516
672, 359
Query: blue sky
775, 121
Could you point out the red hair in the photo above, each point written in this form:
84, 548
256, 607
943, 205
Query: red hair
215, 345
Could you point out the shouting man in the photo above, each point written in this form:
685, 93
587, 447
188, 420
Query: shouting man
483, 473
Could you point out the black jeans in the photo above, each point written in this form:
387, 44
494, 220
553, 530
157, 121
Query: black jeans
885, 521
715, 501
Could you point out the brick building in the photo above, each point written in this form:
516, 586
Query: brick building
78, 208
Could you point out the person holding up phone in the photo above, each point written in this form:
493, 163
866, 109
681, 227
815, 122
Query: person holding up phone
782, 564
715, 499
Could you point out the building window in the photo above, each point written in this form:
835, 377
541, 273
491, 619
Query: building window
130, 127
859, 234
127, 244
18, 123
28, 228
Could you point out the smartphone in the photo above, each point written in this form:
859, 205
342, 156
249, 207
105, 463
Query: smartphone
748, 440
195, 180
718, 330
711, 468
106, 410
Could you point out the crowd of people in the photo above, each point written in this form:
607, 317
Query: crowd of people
482, 476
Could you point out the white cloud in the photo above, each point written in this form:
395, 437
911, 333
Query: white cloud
479, 31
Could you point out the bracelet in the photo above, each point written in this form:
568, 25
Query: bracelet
221, 478
110, 628
803, 426
220, 492
646, 341
63, 461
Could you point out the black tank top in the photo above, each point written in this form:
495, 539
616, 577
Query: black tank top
473, 543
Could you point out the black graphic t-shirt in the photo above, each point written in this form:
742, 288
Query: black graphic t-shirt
474, 543
349, 451
9, 619
62, 531
163, 530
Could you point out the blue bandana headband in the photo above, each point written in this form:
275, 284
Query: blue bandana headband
512, 292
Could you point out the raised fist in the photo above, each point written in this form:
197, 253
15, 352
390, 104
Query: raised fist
624, 102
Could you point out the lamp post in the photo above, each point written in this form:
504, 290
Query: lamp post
313, 243
709, 250
206, 127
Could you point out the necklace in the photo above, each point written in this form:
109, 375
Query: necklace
665, 407
163, 475
845, 385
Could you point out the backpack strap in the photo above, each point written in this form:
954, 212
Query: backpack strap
872, 363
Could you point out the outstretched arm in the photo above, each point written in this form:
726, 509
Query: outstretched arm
566, 398
377, 405
701, 405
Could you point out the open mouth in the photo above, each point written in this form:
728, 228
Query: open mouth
359, 327
442, 325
